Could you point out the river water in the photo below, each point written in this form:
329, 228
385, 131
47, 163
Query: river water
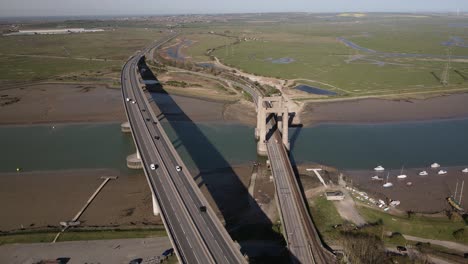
215, 145
80, 146
67, 146
361, 146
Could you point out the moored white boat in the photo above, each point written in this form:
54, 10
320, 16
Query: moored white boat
401, 176
442, 172
423, 173
465, 170
435, 165
388, 185
379, 168
376, 178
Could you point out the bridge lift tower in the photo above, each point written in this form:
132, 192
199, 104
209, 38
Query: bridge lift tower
269, 107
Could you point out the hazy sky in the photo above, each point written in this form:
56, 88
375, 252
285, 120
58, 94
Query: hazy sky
123, 7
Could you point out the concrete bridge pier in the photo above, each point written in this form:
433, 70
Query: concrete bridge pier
285, 129
134, 161
125, 127
260, 131
271, 106
156, 210
261, 119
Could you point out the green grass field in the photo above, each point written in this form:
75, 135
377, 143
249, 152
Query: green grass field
202, 43
48, 236
24, 58
31, 68
312, 42
420, 226
325, 216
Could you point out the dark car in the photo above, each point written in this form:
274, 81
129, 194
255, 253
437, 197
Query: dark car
401, 249
168, 252
202, 208
156, 137
154, 122
147, 119
136, 261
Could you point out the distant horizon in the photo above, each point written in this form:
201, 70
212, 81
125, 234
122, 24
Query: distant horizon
462, 12
53, 8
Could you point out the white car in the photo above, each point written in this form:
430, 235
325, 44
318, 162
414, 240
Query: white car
152, 166
178, 168
133, 102
128, 99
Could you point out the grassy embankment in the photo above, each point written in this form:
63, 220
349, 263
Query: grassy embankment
438, 228
48, 236
326, 216
189, 84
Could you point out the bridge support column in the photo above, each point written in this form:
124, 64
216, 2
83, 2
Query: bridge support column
276, 106
156, 210
279, 121
261, 121
260, 114
134, 161
125, 127
285, 130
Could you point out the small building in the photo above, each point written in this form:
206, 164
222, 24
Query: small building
334, 195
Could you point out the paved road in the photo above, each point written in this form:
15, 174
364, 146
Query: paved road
79, 252
198, 237
448, 244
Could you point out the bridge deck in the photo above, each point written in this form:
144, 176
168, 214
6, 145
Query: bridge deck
198, 237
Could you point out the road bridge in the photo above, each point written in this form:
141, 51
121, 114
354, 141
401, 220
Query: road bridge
193, 227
